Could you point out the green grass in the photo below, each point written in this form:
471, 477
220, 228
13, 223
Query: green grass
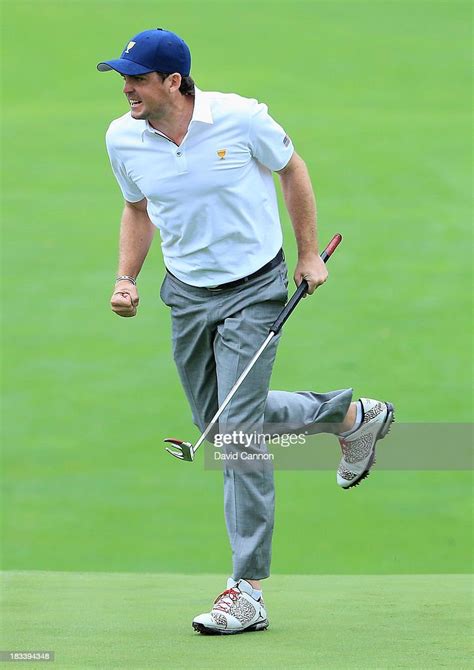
137, 621
375, 96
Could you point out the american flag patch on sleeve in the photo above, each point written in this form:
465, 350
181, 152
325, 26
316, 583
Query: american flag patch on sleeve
286, 140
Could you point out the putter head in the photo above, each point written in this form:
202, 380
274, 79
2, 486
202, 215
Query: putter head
184, 451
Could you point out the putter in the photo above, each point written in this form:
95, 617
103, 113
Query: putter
185, 451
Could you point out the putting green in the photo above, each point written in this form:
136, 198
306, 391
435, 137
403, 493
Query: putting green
124, 620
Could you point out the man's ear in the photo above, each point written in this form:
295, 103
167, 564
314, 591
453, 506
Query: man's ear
174, 81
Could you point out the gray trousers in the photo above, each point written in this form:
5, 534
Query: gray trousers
215, 334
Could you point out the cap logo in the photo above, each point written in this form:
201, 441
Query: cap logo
221, 153
130, 45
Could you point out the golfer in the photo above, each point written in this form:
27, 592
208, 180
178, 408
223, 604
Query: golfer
198, 167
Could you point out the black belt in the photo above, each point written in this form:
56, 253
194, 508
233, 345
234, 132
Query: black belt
258, 273
238, 282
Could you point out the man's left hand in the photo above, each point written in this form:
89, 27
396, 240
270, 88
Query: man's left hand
313, 269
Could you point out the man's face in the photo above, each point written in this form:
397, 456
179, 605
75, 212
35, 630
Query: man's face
147, 94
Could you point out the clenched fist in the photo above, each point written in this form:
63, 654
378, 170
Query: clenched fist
124, 301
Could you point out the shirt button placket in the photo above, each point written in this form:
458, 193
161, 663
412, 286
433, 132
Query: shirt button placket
181, 163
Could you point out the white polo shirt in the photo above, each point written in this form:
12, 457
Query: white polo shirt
212, 198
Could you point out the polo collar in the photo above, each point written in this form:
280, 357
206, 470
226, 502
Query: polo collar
202, 112
202, 109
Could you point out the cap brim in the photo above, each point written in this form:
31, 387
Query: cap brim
123, 66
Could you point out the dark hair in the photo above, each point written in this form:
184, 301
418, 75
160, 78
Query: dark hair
186, 86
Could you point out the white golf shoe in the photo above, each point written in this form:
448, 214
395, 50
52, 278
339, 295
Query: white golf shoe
233, 611
358, 448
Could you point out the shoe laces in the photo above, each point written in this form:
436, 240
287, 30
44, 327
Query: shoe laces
225, 600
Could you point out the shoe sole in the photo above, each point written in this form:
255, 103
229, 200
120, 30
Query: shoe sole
384, 430
201, 628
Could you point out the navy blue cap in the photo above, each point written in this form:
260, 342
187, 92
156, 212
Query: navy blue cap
152, 51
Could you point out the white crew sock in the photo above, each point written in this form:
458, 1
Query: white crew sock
256, 594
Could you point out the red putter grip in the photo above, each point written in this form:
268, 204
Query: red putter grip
331, 247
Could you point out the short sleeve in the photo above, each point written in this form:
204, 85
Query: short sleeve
269, 143
129, 189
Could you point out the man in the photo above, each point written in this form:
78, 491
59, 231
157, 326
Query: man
198, 166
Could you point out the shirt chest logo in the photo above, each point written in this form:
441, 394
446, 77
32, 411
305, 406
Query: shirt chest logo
222, 153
